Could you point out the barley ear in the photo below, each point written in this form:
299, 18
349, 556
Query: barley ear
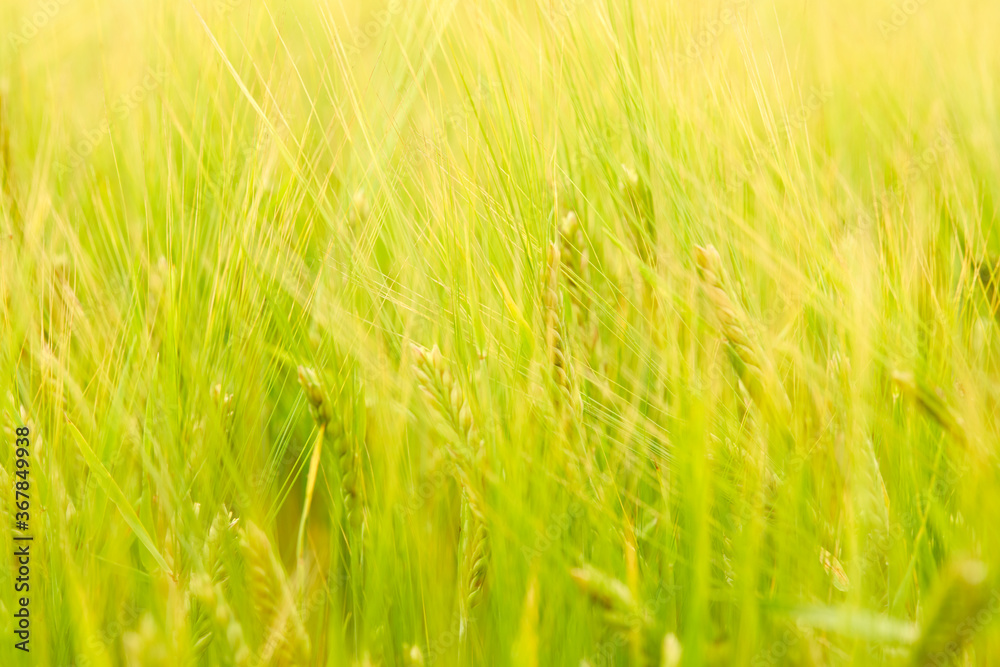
446, 396
577, 272
752, 365
145, 645
576, 260
347, 450
620, 612
221, 530
210, 595
213, 563
619, 609
476, 551
566, 397
360, 210
275, 608
319, 404
638, 200
224, 403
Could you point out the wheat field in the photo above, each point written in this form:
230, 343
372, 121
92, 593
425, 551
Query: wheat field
499, 332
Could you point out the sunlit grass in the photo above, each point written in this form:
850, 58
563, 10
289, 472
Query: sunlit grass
501, 332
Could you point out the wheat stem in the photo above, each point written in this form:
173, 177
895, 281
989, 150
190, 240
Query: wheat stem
310, 488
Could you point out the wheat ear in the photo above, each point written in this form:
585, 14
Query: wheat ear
346, 450
477, 550
566, 396
753, 366
272, 597
639, 211
215, 570
445, 395
576, 267
620, 611
210, 594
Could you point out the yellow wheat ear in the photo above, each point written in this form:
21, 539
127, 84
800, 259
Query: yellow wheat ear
638, 199
566, 396
754, 367
476, 551
575, 263
620, 611
444, 393
319, 405
212, 597
286, 637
